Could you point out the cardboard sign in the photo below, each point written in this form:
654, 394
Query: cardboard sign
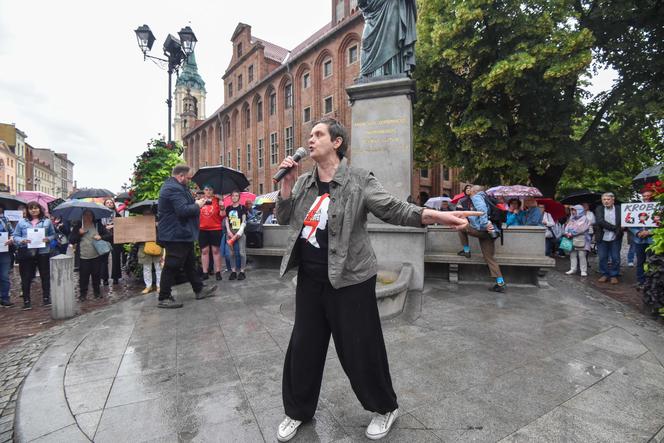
134, 229
641, 215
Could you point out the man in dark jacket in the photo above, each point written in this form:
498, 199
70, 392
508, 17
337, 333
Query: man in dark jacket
178, 229
609, 238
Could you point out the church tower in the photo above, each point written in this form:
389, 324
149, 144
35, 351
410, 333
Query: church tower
189, 98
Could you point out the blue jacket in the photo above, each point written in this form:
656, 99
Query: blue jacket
532, 217
479, 223
5, 226
641, 241
21, 233
178, 213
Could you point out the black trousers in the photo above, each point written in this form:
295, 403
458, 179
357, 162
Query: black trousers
90, 268
116, 267
351, 316
179, 256
27, 269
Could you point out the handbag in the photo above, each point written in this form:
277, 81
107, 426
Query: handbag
102, 247
152, 248
579, 241
566, 244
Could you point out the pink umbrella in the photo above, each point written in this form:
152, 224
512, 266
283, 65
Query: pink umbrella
40, 197
244, 196
514, 191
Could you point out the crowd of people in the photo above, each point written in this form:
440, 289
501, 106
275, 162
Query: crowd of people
580, 232
219, 233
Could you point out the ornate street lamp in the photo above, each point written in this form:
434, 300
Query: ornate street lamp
176, 50
145, 38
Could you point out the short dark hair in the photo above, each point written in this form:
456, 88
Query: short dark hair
180, 169
509, 202
34, 203
336, 130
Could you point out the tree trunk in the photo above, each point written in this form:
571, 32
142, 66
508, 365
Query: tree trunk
547, 182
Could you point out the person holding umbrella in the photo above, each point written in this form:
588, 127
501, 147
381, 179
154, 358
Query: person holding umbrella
29, 259
178, 219
85, 233
209, 238
117, 251
329, 244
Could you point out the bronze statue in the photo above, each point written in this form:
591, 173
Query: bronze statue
388, 40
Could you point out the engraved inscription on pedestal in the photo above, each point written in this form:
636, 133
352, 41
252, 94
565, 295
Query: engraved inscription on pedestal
382, 136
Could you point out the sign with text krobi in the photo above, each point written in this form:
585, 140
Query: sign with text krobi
641, 215
137, 229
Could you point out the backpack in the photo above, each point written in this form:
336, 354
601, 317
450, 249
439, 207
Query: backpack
496, 215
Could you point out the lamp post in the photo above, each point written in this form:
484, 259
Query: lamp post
176, 52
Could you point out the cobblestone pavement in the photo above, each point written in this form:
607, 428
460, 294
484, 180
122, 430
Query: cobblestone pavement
25, 334
559, 364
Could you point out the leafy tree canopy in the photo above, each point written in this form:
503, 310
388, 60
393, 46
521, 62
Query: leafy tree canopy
153, 167
501, 89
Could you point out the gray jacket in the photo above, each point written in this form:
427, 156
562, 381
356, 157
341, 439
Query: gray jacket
354, 193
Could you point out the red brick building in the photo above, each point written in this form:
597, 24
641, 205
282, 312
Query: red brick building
273, 95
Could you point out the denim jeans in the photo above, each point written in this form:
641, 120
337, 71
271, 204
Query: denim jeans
549, 245
226, 252
5, 261
640, 251
606, 250
631, 253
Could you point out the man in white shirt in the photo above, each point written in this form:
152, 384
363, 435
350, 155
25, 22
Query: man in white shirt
609, 238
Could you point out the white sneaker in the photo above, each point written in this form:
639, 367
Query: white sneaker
570, 272
584, 274
630, 264
380, 425
287, 429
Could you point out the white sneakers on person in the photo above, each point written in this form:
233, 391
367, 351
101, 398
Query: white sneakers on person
380, 425
287, 429
570, 272
584, 274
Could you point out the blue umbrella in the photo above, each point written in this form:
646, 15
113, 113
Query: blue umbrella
74, 209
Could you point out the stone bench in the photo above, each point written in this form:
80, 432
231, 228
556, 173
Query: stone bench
520, 255
393, 245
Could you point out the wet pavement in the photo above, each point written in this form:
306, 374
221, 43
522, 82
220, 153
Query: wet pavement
558, 364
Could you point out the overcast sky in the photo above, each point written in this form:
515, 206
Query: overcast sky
73, 79
72, 76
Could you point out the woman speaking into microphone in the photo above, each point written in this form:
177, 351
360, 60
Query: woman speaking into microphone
326, 210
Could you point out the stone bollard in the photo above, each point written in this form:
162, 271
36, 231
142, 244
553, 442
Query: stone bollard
63, 298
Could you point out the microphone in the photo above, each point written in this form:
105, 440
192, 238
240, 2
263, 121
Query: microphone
299, 155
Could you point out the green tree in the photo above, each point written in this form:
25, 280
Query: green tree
153, 167
500, 89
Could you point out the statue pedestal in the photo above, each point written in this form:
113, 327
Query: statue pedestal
382, 131
382, 142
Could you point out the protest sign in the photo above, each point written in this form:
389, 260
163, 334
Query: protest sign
641, 215
134, 229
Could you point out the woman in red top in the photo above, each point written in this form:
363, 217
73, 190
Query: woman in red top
212, 215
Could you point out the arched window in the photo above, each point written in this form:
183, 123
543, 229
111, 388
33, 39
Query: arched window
288, 96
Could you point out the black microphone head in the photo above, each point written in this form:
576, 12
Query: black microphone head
300, 154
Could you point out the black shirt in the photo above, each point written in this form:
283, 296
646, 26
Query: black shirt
314, 235
234, 215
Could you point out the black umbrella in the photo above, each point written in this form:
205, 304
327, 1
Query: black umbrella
121, 197
648, 175
91, 193
581, 196
11, 202
224, 180
140, 207
73, 210
54, 204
